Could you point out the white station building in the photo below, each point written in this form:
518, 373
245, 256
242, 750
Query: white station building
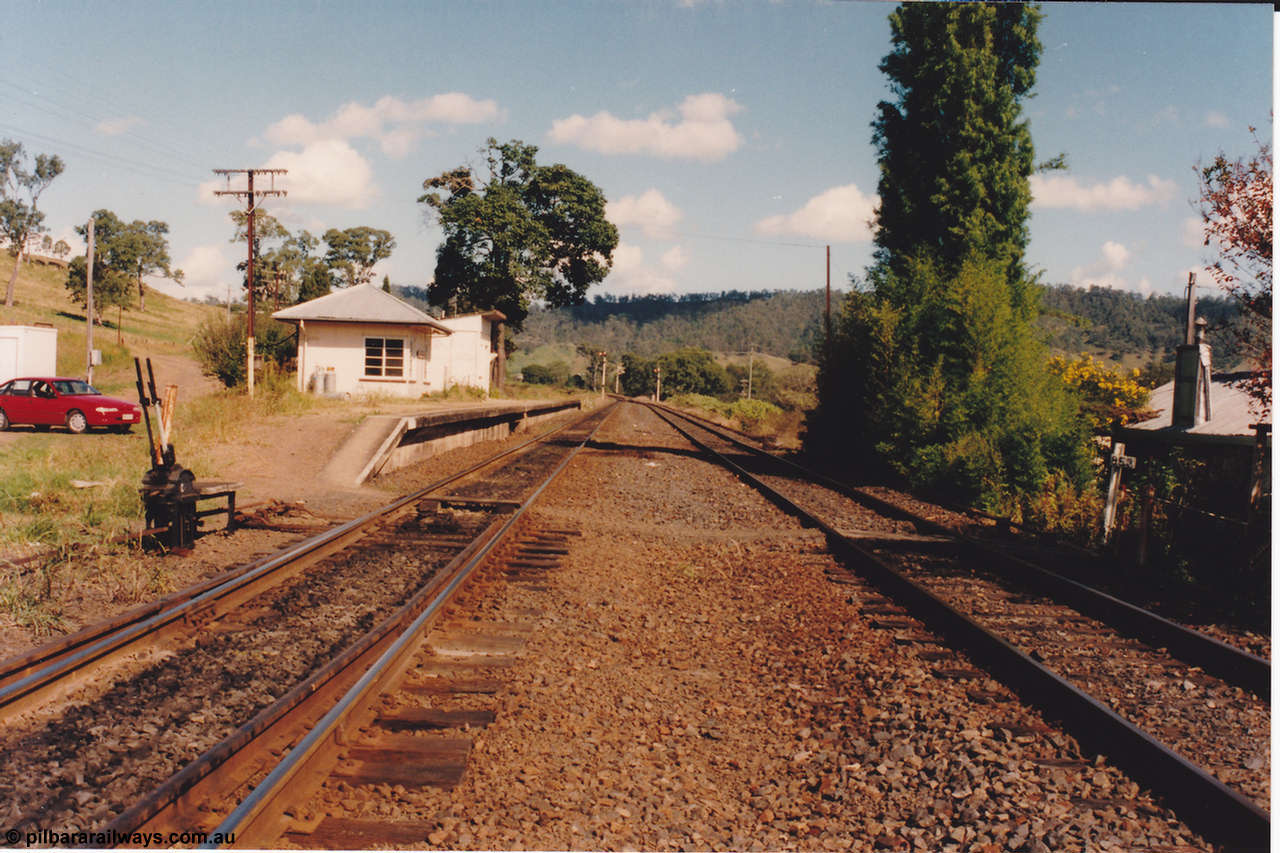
363, 340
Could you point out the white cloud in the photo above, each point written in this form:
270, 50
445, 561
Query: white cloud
630, 273
1213, 118
650, 211
1193, 232
1117, 194
207, 271
393, 122
675, 258
841, 214
1115, 254
117, 126
1106, 270
326, 172
703, 131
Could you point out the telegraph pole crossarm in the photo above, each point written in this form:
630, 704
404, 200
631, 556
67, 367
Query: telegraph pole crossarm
251, 196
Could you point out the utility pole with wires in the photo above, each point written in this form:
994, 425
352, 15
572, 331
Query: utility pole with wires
88, 308
250, 195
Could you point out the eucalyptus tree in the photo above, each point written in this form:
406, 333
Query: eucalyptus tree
22, 182
353, 252
134, 249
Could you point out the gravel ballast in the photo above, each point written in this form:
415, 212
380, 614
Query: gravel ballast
701, 675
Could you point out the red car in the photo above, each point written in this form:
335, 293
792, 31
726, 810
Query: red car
45, 401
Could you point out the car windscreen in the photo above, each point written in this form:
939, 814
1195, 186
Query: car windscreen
74, 386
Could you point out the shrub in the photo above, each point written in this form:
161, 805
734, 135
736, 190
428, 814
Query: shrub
556, 373
947, 383
753, 414
219, 344
1106, 394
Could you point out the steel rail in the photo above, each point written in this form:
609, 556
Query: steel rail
1223, 660
241, 819
1201, 799
24, 676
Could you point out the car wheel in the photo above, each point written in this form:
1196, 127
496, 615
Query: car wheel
4, 421
76, 421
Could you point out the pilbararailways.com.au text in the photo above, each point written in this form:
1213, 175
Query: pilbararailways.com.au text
112, 838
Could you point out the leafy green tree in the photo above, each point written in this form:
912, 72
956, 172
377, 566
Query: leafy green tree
937, 370
528, 232
317, 281
638, 379
268, 234
134, 249
693, 371
61, 249
354, 251
20, 189
110, 287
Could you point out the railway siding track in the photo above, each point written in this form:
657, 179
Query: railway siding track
1222, 811
418, 733
74, 761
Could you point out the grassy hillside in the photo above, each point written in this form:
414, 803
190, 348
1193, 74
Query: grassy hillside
41, 297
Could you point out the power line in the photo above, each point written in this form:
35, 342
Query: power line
73, 90
161, 173
52, 108
734, 239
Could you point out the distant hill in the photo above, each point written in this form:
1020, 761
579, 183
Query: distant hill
781, 323
1115, 325
1131, 329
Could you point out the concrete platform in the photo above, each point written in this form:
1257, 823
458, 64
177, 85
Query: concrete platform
387, 442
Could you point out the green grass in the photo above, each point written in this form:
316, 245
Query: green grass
41, 297
39, 505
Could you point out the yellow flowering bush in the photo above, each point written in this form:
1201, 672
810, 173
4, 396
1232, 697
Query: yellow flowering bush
1107, 393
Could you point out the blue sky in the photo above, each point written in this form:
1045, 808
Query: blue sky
732, 139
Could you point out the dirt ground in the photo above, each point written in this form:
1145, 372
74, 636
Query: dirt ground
278, 467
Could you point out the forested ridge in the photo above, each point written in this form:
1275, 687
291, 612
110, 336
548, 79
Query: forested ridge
1112, 323
783, 323
1119, 323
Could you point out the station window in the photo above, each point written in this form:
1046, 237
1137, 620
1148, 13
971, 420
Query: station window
384, 357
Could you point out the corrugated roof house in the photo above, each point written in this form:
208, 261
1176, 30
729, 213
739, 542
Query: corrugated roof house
362, 340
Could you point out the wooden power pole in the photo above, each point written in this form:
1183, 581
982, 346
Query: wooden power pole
250, 195
828, 312
88, 310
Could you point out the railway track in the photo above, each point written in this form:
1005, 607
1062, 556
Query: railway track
1182, 712
149, 723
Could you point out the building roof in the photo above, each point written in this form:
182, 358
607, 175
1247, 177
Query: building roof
364, 303
1230, 412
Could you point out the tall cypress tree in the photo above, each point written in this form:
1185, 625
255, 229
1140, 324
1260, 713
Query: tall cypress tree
955, 154
936, 369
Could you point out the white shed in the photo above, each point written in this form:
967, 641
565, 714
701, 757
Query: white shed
363, 340
28, 351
